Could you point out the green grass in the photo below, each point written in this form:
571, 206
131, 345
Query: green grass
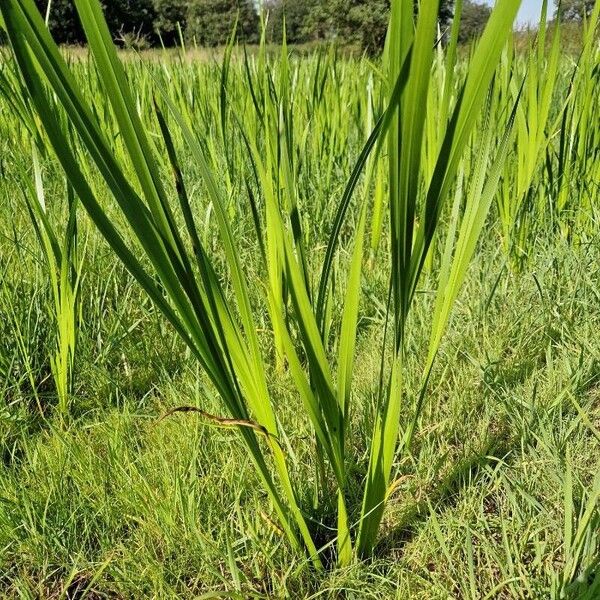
174, 508
248, 353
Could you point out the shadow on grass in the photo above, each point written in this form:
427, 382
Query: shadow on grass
445, 494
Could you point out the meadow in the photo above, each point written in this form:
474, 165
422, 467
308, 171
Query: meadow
300, 325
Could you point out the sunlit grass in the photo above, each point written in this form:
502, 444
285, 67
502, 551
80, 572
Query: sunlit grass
302, 229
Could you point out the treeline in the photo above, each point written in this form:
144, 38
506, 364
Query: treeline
154, 22
362, 23
209, 22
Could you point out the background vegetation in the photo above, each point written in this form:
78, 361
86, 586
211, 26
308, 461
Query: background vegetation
362, 23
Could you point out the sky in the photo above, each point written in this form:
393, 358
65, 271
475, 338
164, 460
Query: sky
530, 11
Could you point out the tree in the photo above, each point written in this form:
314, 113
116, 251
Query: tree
297, 16
64, 22
360, 22
169, 14
574, 10
305, 21
446, 12
474, 19
127, 17
210, 22
123, 17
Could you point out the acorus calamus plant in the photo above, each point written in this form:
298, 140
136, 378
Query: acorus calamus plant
217, 320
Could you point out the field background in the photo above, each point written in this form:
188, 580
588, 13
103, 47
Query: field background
498, 497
